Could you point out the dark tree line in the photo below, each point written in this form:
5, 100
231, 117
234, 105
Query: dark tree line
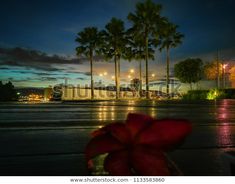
7, 92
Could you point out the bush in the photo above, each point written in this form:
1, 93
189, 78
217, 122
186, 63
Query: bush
210, 94
229, 93
216, 94
196, 95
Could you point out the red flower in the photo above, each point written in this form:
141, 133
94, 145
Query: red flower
137, 147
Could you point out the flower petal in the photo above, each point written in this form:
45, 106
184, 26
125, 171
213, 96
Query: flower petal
165, 134
117, 164
137, 122
117, 130
147, 161
102, 144
98, 132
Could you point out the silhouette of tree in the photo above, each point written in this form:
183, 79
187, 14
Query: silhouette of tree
7, 92
189, 71
89, 42
147, 22
114, 46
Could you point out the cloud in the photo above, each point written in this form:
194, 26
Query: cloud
39, 61
33, 59
18, 80
39, 73
34, 79
80, 78
86, 73
10, 63
48, 79
4, 68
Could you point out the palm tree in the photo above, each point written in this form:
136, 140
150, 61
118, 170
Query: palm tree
170, 39
146, 21
114, 46
89, 41
136, 51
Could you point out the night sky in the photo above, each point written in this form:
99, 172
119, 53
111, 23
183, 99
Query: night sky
51, 27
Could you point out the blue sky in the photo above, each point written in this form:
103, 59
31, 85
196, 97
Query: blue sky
51, 27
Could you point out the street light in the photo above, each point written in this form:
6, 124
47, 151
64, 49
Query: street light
225, 65
105, 73
224, 75
132, 71
153, 75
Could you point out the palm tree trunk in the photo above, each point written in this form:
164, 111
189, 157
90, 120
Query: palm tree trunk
92, 82
167, 72
140, 68
146, 66
119, 71
116, 77
218, 70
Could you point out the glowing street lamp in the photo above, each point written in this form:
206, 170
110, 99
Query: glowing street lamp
132, 71
153, 75
113, 77
105, 73
101, 75
224, 66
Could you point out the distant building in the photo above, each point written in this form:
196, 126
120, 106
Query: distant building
48, 93
135, 84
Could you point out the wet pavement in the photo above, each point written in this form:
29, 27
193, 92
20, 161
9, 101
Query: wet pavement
49, 139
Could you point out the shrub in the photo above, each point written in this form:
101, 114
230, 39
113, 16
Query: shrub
210, 94
215, 94
229, 93
196, 95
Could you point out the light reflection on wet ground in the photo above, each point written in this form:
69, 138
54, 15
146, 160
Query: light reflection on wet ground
37, 139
